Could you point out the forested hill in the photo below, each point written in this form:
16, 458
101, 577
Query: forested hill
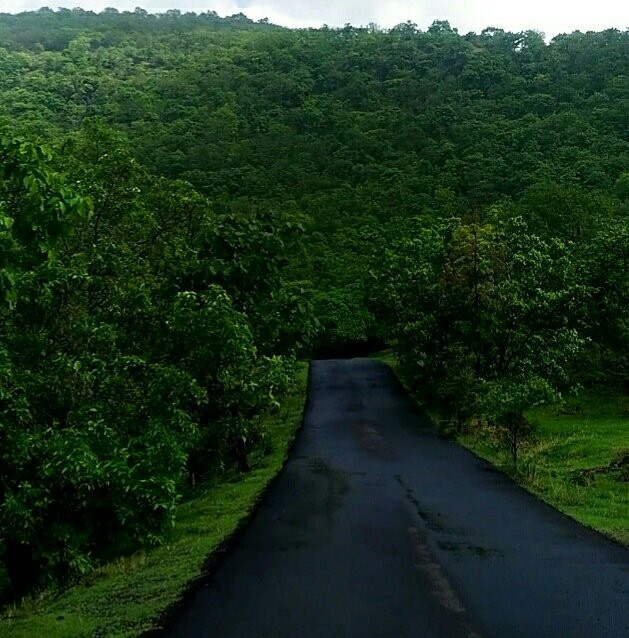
188, 204
351, 127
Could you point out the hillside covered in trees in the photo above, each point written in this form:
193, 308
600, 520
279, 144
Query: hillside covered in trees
190, 204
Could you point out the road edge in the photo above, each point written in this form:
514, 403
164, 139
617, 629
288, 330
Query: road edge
389, 361
218, 556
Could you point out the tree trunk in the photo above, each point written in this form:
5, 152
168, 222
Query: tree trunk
21, 567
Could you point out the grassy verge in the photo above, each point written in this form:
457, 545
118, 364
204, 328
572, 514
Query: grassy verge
577, 460
127, 597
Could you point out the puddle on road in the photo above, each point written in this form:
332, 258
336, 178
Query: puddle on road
338, 482
308, 518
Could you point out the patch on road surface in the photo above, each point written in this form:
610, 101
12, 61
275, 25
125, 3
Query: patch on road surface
467, 549
372, 440
432, 520
441, 588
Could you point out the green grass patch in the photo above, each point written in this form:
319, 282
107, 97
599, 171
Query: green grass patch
577, 458
128, 596
388, 357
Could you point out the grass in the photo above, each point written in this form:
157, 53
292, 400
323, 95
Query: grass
388, 357
128, 597
577, 458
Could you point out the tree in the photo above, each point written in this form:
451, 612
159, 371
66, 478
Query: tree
486, 317
506, 402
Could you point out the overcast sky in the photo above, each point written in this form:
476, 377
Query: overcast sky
549, 16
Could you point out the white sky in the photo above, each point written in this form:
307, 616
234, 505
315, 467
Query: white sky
549, 16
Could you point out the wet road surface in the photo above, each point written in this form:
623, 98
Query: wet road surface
379, 528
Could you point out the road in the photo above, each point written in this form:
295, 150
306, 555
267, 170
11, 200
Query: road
377, 527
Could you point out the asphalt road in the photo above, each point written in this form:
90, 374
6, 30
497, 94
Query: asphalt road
379, 528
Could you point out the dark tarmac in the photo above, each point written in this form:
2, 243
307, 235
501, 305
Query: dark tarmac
379, 528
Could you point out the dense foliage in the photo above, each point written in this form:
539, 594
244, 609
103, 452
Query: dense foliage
225, 193
141, 338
